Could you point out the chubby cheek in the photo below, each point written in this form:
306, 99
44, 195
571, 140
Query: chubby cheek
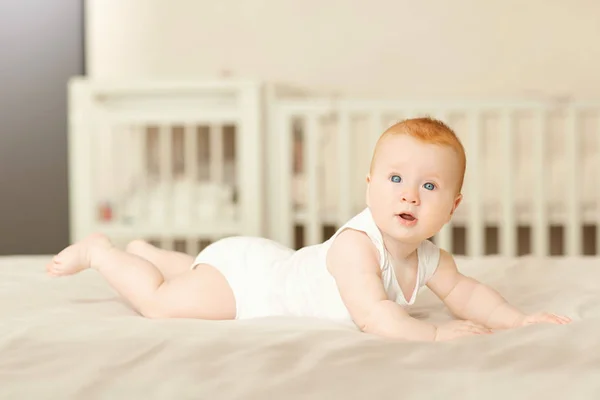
379, 206
437, 205
382, 205
380, 195
437, 216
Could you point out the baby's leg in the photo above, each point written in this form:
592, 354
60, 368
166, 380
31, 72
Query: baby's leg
199, 293
169, 263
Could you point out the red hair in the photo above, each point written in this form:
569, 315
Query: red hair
427, 130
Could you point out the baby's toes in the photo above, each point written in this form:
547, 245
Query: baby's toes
55, 269
51, 269
67, 262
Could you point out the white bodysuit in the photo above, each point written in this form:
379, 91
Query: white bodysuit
269, 279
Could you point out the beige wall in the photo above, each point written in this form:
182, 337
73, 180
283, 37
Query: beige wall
399, 48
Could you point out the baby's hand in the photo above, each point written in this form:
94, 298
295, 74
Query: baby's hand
543, 317
458, 328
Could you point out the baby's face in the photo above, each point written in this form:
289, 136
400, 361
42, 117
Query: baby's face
413, 188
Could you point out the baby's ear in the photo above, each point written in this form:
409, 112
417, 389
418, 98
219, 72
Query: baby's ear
457, 201
367, 191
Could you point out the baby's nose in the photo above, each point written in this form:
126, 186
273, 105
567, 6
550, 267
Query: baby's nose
410, 197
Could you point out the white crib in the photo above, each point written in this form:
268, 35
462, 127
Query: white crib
178, 164
315, 152
531, 171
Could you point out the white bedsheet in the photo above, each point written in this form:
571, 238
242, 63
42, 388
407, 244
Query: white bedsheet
73, 338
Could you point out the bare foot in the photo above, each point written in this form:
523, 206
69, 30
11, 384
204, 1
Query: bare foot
78, 256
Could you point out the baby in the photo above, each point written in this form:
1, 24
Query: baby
366, 274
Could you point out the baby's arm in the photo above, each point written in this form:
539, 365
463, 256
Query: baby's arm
469, 299
354, 263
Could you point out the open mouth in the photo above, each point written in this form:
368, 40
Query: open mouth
406, 219
407, 216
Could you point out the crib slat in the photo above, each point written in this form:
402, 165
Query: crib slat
508, 234
475, 225
285, 208
376, 128
273, 131
134, 156
190, 167
112, 155
540, 219
344, 166
105, 176
191, 154
573, 239
129, 151
249, 143
216, 153
82, 152
165, 142
313, 233
165, 153
444, 238
121, 169
139, 208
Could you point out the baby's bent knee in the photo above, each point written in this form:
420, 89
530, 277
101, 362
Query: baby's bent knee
136, 246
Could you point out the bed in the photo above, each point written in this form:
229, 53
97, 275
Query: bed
73, 338
191, 162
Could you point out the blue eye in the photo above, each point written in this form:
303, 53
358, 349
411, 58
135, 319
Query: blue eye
429, 186
396, 179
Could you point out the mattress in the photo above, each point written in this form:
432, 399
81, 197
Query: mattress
73, 338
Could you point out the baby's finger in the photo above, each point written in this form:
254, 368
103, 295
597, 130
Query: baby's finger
562, 319
478, 329
550, 318
474, 324
468, 332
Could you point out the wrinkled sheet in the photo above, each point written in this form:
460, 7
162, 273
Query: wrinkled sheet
73, 338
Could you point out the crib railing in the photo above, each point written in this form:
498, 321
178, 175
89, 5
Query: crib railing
567, 122
316, 155
135, 168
